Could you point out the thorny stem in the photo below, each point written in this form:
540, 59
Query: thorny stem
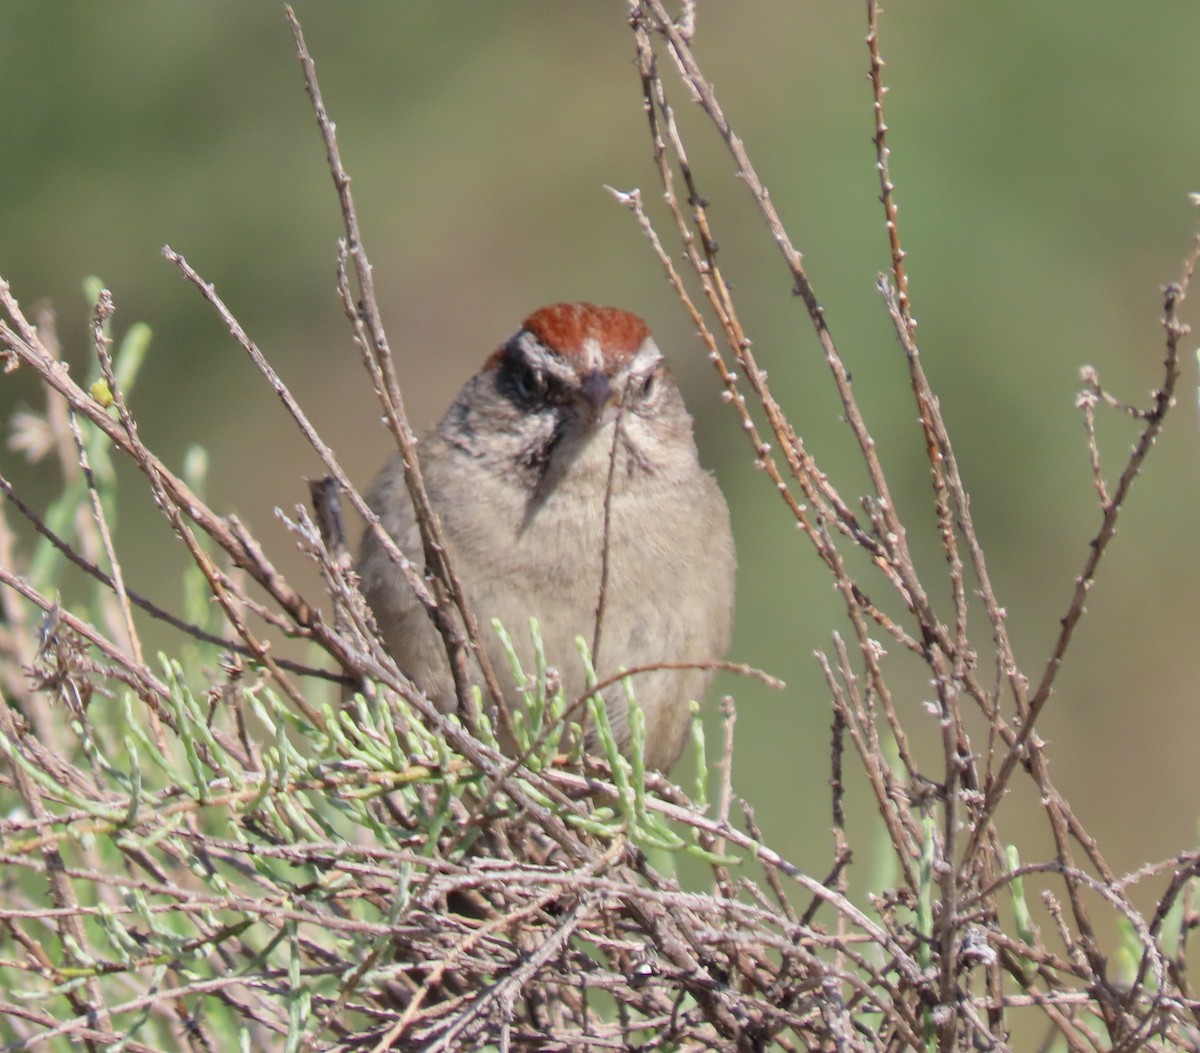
1164, 397
445, 581
882, 154
100, 344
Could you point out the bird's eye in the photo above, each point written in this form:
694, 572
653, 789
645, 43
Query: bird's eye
648, 384
528, 383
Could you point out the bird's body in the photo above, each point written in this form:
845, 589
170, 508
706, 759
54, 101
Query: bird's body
536, 513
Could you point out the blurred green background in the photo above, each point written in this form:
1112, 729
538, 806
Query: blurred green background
1043, 155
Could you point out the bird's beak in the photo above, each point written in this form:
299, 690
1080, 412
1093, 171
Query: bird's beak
595, 388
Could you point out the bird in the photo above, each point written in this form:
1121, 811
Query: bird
567, 482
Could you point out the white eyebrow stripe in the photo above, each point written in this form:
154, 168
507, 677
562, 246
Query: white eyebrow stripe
647, 356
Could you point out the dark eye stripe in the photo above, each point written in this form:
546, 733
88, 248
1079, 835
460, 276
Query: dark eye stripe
519, 378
